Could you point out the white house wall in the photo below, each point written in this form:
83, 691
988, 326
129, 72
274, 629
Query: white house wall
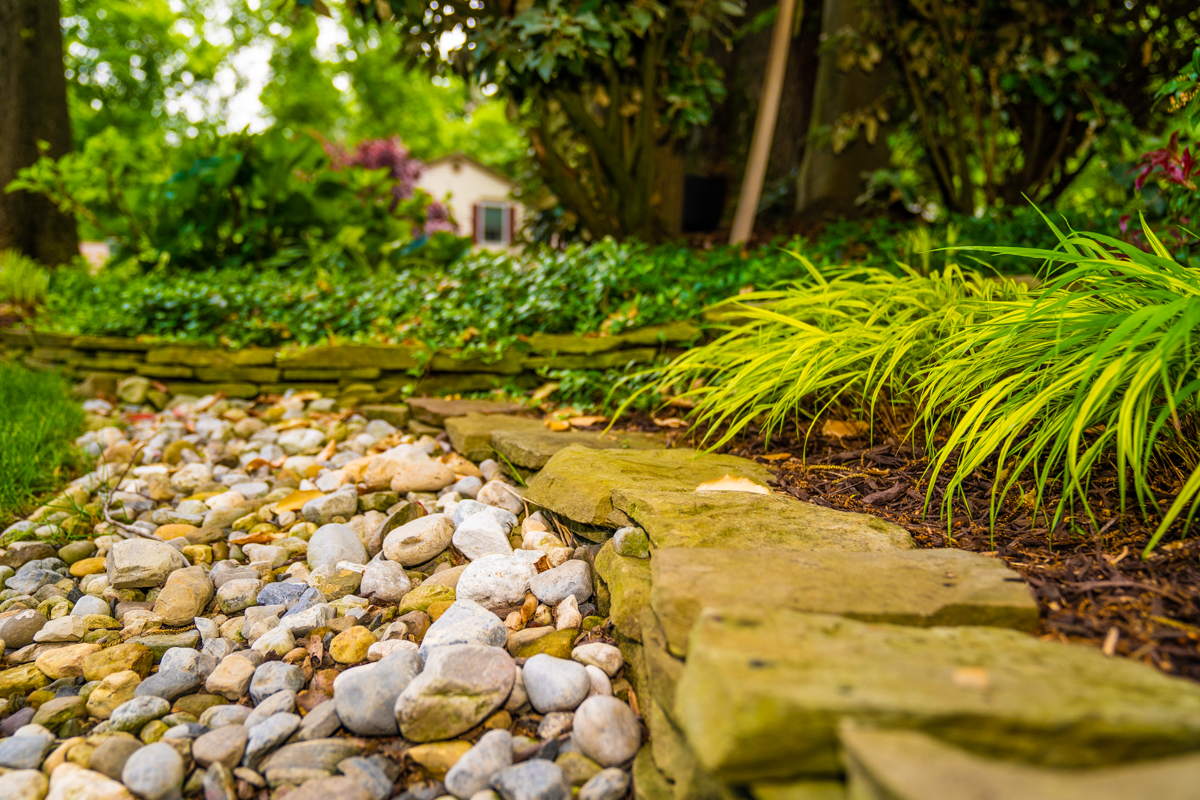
466, 187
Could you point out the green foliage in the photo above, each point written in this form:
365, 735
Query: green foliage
1098, 369
267, 199
1015, 99
37, 423
375, 97
162, 73
1100, 365
484, 301
1183, 91
23, 282
129, 61
604, 90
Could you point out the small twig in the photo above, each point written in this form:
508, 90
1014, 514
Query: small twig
121, 526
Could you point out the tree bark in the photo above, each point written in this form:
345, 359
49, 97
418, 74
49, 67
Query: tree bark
33, 108
764, 125
829, 182
722, 146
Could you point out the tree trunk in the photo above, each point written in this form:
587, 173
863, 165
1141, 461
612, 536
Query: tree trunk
829, 182
764, 125
722, 146
33, 108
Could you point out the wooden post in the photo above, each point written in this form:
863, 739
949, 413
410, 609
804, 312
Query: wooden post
764, 125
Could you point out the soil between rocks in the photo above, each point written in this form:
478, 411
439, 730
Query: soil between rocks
1091, 583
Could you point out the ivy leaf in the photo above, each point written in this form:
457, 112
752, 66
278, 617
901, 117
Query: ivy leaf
641, 18
734, 8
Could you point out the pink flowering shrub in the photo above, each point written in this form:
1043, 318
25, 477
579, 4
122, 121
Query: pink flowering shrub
403, 169
1177, 172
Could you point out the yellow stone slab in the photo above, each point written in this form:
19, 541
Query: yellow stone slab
174, 531
87, 566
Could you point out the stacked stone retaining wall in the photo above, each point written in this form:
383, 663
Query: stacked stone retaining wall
372, 373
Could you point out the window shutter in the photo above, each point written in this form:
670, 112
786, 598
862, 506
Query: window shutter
475, 217
512, 223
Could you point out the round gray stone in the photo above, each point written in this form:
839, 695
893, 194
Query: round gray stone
609, 784
555, 684
17, 631
169, 684
464, 622
155, 772
365, 697
225, 745
607, 731
89, 604
535, 779
555, 585
273, 677
334, 543
473, 772
133, 714
267, 736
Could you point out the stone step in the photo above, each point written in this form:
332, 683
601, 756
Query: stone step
534, 449
579, 483
908, 765
471, 435
905, 587
435, 410
746, 521
761, 695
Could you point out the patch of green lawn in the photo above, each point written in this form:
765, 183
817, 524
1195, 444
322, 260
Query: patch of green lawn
38, 421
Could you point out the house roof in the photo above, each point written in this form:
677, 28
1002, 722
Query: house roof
449, 157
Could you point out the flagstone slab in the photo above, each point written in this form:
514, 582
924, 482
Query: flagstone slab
803, 790
534, 449
676, 763
436, 410
579, 482
908, 765
471, 435
761, 695
626, 582
904, 587
662, 671
744, 520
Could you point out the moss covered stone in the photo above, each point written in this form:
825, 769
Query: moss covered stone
21, 680
422, 597
579, 482
746, 521
906, 587
471, 434
909, 764
627, 586
533, 449
762, 694
558, 644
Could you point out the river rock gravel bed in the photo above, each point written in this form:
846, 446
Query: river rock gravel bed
285, 599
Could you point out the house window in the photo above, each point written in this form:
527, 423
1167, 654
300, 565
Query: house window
493, 223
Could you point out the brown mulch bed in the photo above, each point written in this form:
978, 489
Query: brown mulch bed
1090, 580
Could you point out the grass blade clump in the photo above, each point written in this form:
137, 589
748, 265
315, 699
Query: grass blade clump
23, 282
38, 421
849, 341
1100, 366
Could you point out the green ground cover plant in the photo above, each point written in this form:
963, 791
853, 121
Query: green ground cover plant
484, 301
1099, 367
38, 421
